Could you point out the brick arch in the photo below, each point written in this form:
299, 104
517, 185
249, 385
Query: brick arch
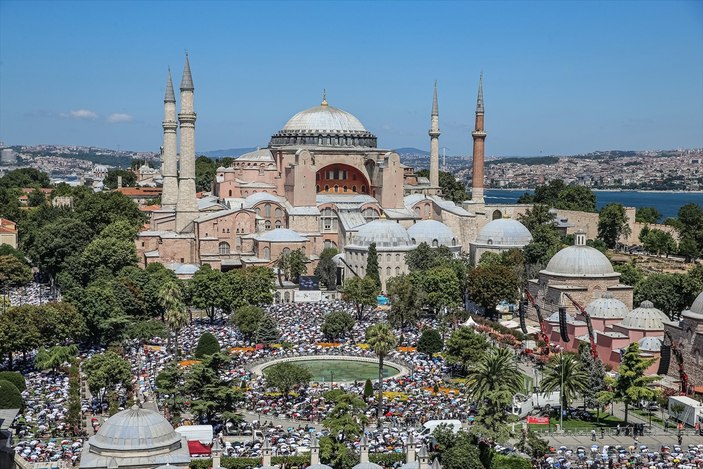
338, 178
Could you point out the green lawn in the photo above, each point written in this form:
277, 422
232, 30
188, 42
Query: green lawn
606, 420
645, 414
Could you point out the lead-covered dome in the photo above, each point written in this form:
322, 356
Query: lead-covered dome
385, 233
135, 429
324, 125
580, 261
504, 232
607, 307
646, 317
650, 344
696, 310
432, 232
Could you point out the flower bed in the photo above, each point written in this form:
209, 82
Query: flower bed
407, 349
242, 349
328, 344
186, 363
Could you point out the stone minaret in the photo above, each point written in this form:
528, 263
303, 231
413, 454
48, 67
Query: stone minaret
266, 453
423, 458
479, 137
434, 141
410, 449
169, 170
187, 205
314, 451
364, 447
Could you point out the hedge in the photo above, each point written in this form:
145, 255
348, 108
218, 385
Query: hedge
382, 459
15, 378
207, 345
10, 396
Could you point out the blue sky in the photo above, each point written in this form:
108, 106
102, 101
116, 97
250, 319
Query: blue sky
559, 77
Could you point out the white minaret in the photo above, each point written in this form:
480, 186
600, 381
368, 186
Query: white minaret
434, 141
410, 449
364, 447
423, 458
187, 205
169, 170
266, 453
314, 451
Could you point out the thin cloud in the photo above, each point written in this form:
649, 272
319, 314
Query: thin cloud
119, 117
82, 114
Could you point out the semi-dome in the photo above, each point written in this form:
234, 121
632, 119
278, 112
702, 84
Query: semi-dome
646, 317
504, 232
650, 344
607, 307
385, 233
281, 235
580, 261
134, 429
324, 125
432, 232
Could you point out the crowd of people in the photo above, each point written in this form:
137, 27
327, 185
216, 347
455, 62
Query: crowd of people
617, 456
33, 294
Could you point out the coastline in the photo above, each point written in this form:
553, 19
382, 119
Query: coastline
667, 191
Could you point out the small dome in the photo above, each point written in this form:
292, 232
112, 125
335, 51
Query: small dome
504, 232
281, 235
650, 344
134, 429
697, 306
555, 317
324, 118
646, 317
606, 307
319, 466
367, 465
432, 232
410, 465
385, 233
580, 261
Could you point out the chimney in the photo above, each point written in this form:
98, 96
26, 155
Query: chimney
580, 238
119, 182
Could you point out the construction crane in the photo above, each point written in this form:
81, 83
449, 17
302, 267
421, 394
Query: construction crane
589, 324
678, 354
540, 319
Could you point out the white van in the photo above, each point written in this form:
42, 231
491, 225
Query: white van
201, 433
429, 426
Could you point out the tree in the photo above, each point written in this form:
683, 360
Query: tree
510, 462
565, 373
267, 332
247, 319
381, 340
205, 170
441, 287
129, 179
647, 215
286, 376
249, 286
689, 249
430, 342
630, 274
690, 227
537, 216
595, 371
363, 292
25, 177
205, 290
659, 242
368, 389
146, 330
671, 293
372, 265
55, 357
36, 198
406, 298
337, 324
297, 264
10, 396
423, 257
326, 269
176, 315
58, 241
489, 285
344, 422
18, 331
207, 345
451, 188
545, 243
15, 378
612, 224
104, 318
558, 195
105, 371
462, 456
631, 385
13, 273
465, 347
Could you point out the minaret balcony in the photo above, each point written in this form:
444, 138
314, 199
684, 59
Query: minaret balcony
478, 134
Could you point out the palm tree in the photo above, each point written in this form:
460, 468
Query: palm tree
176, 315
496, 371
381, 340
566, 373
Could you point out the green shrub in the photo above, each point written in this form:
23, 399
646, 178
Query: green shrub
387, 459
15, 378
509, 462
207, 345
248, 463
10, 396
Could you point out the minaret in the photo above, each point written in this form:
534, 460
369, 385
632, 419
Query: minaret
479, 136
314, 451
169, 170
266, 453
423, 459
434, 141
410, 449
364, 447
187, 205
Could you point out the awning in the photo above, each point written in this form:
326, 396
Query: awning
196, 448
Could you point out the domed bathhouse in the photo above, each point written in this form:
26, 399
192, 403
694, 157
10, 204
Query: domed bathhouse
392, 243
435, 234
687, 332
135, 438
499, 235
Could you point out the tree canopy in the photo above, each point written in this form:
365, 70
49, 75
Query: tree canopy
286, 376
612, 224
337, 324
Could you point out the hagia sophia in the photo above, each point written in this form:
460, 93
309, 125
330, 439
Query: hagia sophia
322, 182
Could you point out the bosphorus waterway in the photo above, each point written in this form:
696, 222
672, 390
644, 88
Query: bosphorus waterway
667, 203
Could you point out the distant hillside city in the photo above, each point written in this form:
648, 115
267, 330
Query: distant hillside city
680, 169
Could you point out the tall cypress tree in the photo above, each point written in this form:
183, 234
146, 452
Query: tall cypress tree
267, 333
372, 265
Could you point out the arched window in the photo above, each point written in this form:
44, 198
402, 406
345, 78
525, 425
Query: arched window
230, 192
267, 210
497, 214
490, 241
278, 223
388, 271
317, 187
427, 209
258, 212
354, 188
363, 189
417, 212
435, 243
397, 271
223, 247
336, 188
267, 252
453, 241
278, 213
388, 257
267, 225
286, 250
346, 189
397, 257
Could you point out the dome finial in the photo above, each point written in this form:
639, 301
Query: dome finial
324, 97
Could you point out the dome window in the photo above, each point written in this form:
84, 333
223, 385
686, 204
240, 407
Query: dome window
435, 243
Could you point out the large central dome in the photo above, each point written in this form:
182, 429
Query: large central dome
325, 126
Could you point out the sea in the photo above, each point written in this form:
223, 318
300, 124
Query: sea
667, 203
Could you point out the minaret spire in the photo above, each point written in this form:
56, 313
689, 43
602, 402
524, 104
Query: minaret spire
434, 142
324, 97
169, 168
479, 136
187, 206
